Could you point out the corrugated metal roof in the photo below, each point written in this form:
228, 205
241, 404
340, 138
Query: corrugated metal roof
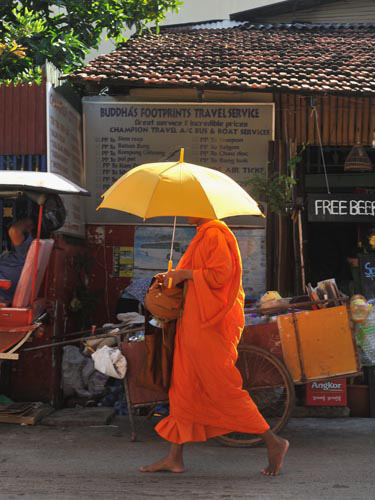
202, 25
23, 119
278, 7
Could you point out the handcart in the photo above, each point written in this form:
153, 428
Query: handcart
303, 344
311, 341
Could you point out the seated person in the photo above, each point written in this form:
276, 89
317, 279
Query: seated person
133, 297
11, 263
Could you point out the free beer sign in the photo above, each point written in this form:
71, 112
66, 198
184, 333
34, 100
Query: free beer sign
326, 392
341, 207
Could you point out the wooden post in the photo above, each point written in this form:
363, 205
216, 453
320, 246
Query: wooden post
333, 123
325, 120
358, 121
372, 119
365, 136
345, 122
339, 120
300, 239
352, 117
303, 113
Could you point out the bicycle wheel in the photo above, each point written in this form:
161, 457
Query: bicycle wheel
270, 386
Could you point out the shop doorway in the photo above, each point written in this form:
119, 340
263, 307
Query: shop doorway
330, 245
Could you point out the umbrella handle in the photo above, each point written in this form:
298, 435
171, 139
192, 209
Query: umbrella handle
170, 264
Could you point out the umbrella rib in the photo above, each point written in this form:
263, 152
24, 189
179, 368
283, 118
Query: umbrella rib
156, 185
207, 198
154, 190
180, 184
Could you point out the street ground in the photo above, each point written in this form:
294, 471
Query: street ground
328, 459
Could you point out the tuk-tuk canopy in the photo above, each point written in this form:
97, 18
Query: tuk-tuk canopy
43, 182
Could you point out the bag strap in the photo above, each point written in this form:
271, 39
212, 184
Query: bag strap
184, 292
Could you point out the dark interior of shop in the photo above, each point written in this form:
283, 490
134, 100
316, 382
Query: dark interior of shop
329, 247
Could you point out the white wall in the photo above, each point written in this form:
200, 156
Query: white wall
207, 10
194, 11
344, 11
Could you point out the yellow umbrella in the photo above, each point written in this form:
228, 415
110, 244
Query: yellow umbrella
178, 189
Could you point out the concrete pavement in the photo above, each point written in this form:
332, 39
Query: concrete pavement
329, 459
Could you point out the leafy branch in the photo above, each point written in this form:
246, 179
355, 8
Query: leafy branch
277, 190
64, 31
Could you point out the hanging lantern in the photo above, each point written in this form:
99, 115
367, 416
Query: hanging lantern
358, 160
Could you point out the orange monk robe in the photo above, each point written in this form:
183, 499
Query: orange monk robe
206, 395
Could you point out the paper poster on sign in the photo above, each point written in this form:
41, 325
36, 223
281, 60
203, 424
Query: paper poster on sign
64, 155
119, 135
122, 262
252, 244
152, 246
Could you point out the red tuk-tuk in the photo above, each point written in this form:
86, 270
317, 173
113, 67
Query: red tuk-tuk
21, 318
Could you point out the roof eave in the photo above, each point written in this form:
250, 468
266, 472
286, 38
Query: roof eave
127, 86
276, 8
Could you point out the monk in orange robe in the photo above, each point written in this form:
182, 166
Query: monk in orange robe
206, 395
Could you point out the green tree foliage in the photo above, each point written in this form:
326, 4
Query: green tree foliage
277, 190
64, 31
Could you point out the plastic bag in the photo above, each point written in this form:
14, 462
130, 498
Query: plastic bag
97, 383
79, 376
110, 361
365, 335
72, 365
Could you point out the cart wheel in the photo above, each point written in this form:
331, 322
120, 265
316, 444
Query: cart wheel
270, 386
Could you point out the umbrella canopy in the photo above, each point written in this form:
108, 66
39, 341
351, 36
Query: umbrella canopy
178, 189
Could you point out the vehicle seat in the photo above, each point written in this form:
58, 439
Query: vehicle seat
22, 295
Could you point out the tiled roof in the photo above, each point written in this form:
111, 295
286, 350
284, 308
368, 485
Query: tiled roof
302, 58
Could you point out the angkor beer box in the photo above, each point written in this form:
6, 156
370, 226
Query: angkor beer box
326, 392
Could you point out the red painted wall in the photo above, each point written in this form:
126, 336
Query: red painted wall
101, 239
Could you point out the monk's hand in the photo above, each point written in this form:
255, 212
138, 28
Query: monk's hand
158, 280
176, 275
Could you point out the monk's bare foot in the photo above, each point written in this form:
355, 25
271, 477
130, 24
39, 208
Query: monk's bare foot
166, 465
276, 453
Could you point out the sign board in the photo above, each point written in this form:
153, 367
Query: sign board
64, 155
120, 135
152, 247
326, 392
367, 275
341, 208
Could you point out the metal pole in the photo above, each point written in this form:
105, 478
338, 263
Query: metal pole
36, 258
133, 436
109, 334
298, 305
90, 331
300, 234
299, 346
